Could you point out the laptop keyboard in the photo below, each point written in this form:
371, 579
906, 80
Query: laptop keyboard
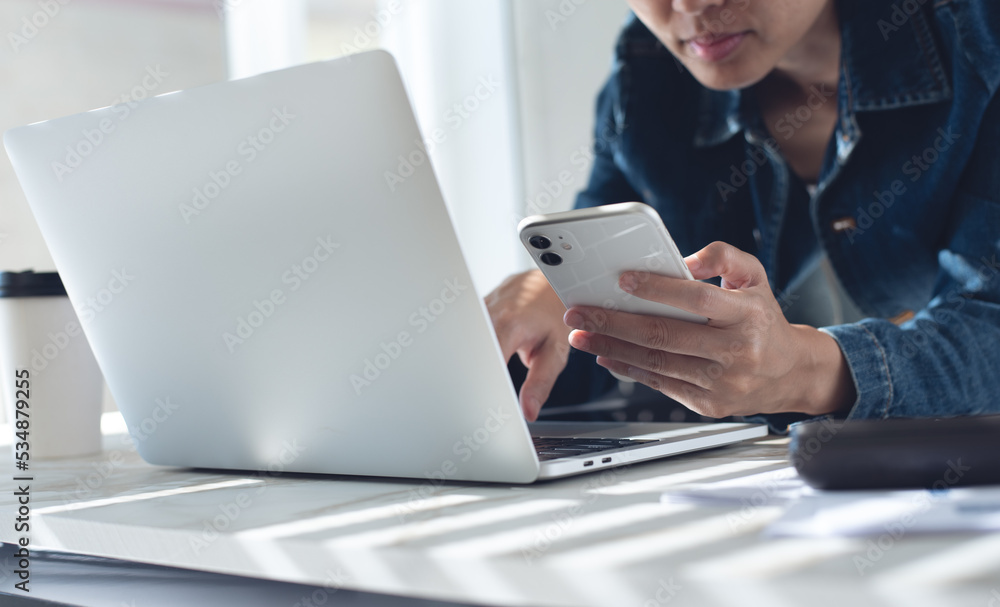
556, 447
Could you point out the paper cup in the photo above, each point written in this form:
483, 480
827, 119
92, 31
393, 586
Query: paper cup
47, 370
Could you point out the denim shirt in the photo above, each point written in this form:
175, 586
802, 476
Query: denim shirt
907, 205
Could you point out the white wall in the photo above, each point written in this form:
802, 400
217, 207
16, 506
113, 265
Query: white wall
86, 56
264, 35
456, 62
549, 59
564, 50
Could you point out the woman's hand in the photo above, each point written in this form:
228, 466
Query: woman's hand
747, 359
528, 318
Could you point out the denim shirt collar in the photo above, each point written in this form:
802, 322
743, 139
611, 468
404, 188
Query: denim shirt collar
868, 40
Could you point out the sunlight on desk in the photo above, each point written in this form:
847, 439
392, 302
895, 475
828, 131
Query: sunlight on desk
668, 480
355, 517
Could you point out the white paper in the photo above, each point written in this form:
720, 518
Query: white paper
774, 487
855, 513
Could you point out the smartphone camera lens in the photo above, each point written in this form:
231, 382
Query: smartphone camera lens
540, 242
551, 259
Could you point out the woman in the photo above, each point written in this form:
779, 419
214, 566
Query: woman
779, 138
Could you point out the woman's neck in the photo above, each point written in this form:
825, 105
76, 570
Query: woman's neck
798, 98
815, 60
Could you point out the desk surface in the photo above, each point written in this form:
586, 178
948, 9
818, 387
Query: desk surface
600, 539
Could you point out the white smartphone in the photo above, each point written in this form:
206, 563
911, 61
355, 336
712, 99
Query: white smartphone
583, 253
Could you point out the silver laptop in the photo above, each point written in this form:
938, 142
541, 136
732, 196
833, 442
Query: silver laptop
265, 290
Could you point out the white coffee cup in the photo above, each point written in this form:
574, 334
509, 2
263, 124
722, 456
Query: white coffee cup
47, 369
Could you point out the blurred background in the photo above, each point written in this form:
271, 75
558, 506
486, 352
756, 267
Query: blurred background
504, 154
509, 153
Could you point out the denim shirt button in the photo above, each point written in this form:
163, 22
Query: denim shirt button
844, 147
902, 317
843, 224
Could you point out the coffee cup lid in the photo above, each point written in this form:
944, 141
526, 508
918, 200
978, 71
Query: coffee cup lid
31, 284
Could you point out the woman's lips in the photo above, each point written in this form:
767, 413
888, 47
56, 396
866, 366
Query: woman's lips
716, 48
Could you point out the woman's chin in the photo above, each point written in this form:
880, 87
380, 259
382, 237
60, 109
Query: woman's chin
735, 74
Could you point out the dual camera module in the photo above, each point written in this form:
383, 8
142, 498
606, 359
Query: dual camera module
542, 243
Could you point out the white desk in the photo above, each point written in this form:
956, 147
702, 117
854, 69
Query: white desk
599, 539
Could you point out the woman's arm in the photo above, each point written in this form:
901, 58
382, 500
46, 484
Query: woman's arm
944, 361
527, 314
